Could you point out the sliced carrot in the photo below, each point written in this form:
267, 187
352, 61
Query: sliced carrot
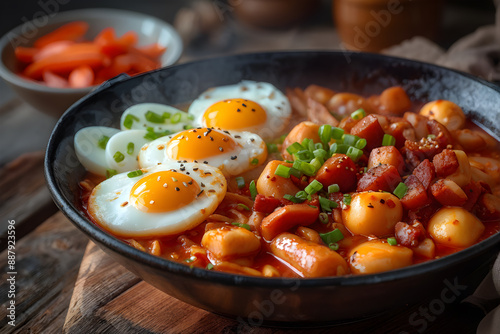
129, 38
54, 80
119, 46
120, 64
106, 36
72, 31
25, 55
153, 51
80, 77
51, 49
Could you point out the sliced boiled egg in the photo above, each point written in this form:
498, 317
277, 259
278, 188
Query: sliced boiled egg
159, 117
122, 150
90, 147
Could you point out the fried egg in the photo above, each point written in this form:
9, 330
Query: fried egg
122, 150
257, 107
90, 147
233, 152
158, 117
164, 200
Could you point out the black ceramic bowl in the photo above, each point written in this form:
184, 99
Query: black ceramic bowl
279, 301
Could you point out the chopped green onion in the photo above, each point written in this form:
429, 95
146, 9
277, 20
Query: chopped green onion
302, 195
134, 173
130, 148
243, 207
154, 117
282, 171
240, 182
152, 135
245, 226
358, 114
295, 147
313, 187
253, 189
304, 155
293, 198
190, 117
210, 266
166, 115
102, 142
326, 204
254, 161
129, 120
187, 127
304, 167
332, 236
337, 133
317, 163
392, 241
349, 140
339, 148
323, 218
325, 133
272, 148
118, 156
361, 143
401, 190
318, 146
333, 246
347, 199
388, 140
320, 153
176, 118
333, 188
295, 172
110, 173
354, 153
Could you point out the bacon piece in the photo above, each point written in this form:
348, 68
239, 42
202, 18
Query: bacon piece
443, 136
416, 152
416, 195
425, 172
448, 193
369, 128
473, 190
381, 177
488, 207
401, 131
266, 204
409, 235
445, 163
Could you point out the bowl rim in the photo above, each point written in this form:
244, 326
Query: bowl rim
82, 15
114, 244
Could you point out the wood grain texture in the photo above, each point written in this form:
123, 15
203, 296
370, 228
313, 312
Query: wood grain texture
107, 298
24, 196
47, 262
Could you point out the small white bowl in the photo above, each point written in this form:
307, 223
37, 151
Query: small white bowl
54, 101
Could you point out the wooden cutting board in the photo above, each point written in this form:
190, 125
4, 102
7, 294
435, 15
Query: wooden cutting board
108, 298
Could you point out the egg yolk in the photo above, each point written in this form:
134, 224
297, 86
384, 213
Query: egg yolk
163, 192
233, 114
197, 144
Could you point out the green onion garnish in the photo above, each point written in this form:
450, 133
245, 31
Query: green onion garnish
318, 146
110, 173
302, 195
166, 115
333, 188
130, 148
240, 182
388, 140
134, 173
176, 118
245, 226
243, 207
210, 266
303, 155
349, 140
323, 218
118, 156
253, 189
339, 148
347, 199
313, 187
102, 142
361, 143
282, 171
272, 148
293, 199
304, 167
401, 190
295, 147
392, 241
332, 237
295, 172
325, 133
320, 153
129, 120
333, 246
187, 127
152, 135
358, 114
354, 153
337, 133
317, 163
326, 204
154, 117
254, 161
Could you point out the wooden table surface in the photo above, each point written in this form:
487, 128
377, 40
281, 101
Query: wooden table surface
66, 284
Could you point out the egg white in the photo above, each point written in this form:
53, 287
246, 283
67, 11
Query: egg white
87, 150
110, 208
249, 147
274, 102
119, 143
139, 111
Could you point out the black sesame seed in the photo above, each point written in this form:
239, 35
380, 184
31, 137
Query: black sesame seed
190, 182
201, 192
234, 157
244, 105
253, 109
237, 136
177, 189
205, 162
252, 139
211, 138
238, 110
208, 173
202, 184
195, 169
198, 136
221, 149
